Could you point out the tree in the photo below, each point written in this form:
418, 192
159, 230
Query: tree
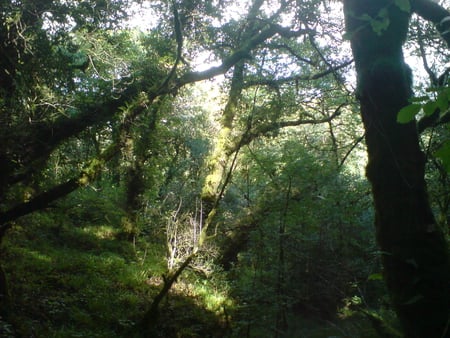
413, 248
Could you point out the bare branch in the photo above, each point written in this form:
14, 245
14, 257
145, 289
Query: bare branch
431, 74
358, 141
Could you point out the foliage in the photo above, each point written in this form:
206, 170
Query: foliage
437, 106
257, 96
315, 282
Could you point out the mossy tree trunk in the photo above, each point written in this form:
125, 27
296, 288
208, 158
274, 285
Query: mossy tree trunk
219, 159
414, 250
138, 146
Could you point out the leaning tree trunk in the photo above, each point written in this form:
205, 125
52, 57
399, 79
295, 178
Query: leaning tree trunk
414, 250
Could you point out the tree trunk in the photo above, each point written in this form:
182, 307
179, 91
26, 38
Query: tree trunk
151, 317
4, 296
219, 160
414, 250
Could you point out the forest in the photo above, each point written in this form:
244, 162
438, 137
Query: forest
225, 168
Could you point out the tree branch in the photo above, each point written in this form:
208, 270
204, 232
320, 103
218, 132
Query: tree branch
293, 53
249, 136
179, 39
41, 141
435, 13
88, 174
43, 200
37, 142
242, 53
431, 74
276, 82
358, 141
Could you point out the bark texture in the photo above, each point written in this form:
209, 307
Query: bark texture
414, 250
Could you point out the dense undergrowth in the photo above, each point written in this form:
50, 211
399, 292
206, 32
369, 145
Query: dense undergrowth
70, 277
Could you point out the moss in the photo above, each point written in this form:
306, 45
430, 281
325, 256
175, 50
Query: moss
91, 171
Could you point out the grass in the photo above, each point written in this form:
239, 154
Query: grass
84, 281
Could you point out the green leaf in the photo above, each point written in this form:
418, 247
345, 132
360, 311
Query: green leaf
366, 17
383, 14
407, 114
379, 26
375, 276
380, 23
443, 100
443, 153
404, 5
429, 107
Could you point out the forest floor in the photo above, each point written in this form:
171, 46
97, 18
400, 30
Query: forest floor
67, 280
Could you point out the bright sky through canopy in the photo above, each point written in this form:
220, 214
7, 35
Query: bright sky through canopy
144, 18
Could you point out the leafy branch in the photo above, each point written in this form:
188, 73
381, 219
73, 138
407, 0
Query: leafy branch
266, 129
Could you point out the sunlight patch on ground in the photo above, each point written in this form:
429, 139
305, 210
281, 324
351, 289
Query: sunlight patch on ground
102, 232
39, 256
